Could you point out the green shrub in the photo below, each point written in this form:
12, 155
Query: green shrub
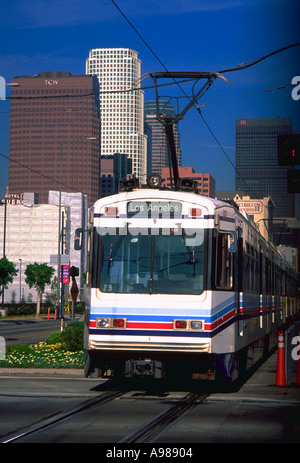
72, 337
19, 349
17, 310
54, 338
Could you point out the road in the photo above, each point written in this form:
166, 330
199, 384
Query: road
27, 331
257, 413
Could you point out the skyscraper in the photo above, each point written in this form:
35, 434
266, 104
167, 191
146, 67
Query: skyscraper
54, 134
122, 109
159, 143
257, 171
113, 169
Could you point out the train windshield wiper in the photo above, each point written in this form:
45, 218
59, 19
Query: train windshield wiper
113, 251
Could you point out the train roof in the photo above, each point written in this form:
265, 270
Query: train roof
164, 194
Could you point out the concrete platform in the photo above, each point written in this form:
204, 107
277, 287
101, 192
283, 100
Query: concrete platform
262, 386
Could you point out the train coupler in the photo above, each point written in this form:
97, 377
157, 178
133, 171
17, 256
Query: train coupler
146, 367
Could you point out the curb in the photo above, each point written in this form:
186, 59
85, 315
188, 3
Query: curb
42, 372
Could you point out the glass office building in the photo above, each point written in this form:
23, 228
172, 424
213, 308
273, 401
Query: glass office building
159, 142
257, 171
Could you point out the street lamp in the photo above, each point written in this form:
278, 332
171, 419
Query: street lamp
60, 248
20, 261
4, 201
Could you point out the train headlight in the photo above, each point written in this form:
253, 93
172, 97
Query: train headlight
188, 324
129, 184
187, 184
154, 181
103, 322
197, 324
111, 323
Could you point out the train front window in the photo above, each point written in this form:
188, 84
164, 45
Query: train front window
160, 264
125, 263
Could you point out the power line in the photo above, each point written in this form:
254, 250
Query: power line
102, 92
240, 66
136, 31
281, 87
43, 175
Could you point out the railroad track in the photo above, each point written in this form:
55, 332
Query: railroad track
154, 428
145, 434
60, 417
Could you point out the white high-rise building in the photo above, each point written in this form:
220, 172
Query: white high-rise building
122, 111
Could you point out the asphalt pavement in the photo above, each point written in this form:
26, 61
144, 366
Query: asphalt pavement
259, 411
261, 384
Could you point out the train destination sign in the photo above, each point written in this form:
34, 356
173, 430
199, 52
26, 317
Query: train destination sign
164, 209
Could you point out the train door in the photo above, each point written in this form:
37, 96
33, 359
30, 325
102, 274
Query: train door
239, 292
265, 291
262, 295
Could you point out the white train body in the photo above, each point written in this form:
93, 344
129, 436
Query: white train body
178, 280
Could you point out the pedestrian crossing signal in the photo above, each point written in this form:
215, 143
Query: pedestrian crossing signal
288, 150
293, 181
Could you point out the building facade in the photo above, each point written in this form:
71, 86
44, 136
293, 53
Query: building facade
257, 171
160, 157
122, 110
54, 135
31, 235
30, 232
261, 211
206, 183
113, 169
76, 209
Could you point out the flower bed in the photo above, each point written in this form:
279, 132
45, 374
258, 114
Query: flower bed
42, 355
60, 350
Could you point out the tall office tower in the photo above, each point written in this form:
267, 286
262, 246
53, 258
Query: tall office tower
160, 157
257, 171
122, 111
55, 133
113, 169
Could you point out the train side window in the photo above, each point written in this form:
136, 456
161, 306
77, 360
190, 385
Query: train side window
224, 263
283, 283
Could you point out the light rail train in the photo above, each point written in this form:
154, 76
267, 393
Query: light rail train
180, 284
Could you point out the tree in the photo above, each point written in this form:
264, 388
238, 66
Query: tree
7, 273
38, 276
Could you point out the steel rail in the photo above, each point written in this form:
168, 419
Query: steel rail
154, 428
60, 417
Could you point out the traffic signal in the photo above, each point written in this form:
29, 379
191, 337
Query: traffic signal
288, 147
293, 181
74, 271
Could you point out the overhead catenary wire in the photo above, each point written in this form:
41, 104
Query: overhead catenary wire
210, 76
46, 176
240, 66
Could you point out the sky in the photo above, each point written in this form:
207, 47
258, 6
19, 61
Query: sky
178, 35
